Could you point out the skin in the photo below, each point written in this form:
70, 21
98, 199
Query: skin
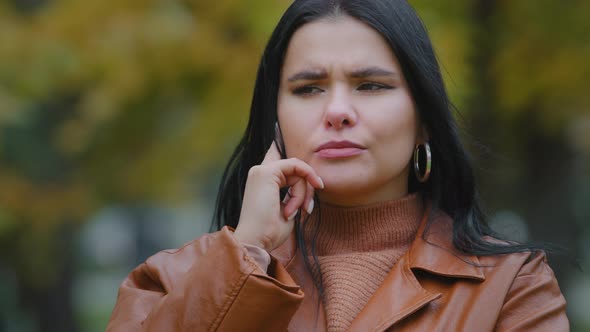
340, 81
375, 110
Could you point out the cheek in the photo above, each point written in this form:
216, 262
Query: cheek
397, 135
295, 129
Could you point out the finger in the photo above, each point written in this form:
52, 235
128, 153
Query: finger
272, 154
289, 168
297, 194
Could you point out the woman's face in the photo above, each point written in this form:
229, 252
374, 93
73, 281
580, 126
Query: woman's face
344, 108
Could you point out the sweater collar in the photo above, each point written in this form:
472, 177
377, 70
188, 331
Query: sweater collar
374, 227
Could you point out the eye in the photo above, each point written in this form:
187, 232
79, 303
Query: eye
373, 87
306, 90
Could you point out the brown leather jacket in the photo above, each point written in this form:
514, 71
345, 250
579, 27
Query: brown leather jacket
211, 284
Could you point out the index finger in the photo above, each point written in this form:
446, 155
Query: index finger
272, 154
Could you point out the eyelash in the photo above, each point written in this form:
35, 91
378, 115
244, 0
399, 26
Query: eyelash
305, 89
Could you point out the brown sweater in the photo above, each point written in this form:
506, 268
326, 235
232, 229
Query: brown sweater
356, 248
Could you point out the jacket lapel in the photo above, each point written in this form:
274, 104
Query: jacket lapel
401, 294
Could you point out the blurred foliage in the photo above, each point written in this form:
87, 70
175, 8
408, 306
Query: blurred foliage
552, 38
139, 91
111, 102
133, 101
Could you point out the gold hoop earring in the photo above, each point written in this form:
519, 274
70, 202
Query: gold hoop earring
422, 176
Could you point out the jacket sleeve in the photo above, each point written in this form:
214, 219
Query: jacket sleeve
534, 302
210, 284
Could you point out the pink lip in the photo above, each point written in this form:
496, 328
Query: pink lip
339, 149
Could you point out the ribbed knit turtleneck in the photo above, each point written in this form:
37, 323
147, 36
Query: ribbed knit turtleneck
356, 248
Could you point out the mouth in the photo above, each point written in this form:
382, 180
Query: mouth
339, 149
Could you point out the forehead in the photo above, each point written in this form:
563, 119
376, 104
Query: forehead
337, 42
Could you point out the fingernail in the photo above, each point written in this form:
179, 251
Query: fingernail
291, 217
310, 206
321, 182
286, 198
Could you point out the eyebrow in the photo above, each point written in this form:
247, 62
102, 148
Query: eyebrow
313, 75
308, 75
372, 72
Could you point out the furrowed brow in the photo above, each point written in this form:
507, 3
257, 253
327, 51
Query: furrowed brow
373, 72
308, 75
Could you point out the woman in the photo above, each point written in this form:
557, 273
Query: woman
380, 228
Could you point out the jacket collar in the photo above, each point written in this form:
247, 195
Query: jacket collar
433, 251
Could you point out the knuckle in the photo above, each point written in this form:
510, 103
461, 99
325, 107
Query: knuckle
267, 240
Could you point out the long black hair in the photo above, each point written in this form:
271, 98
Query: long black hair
451, 186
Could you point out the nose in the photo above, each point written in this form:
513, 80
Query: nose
339, 112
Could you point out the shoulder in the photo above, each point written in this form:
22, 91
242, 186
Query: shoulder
532, 298
517, 290
531, 267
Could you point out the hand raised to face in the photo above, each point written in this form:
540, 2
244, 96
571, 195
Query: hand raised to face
265, 221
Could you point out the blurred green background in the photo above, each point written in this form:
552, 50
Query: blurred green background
116, 118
